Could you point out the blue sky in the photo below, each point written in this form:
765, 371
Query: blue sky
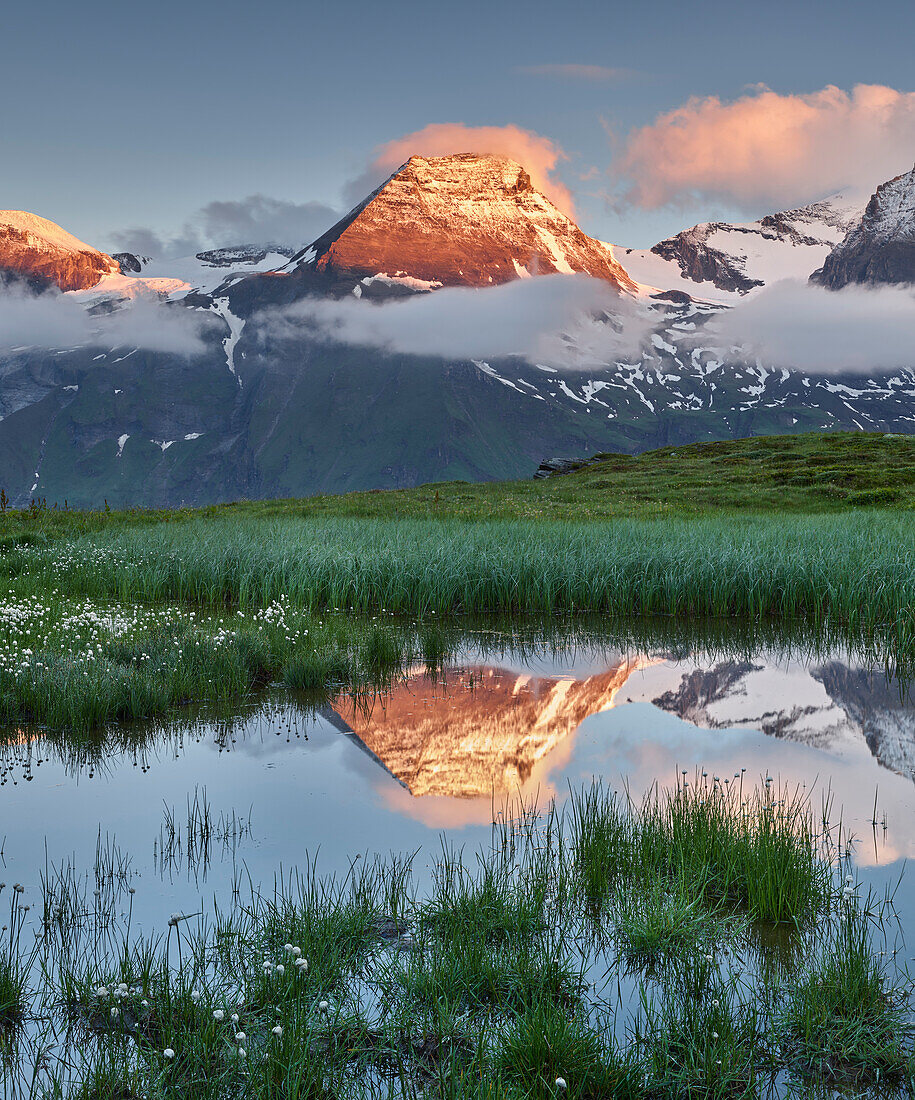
124, 115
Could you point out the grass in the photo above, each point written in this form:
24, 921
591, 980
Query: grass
113, 616
842, 1020
708, 845
810, 472
494, 982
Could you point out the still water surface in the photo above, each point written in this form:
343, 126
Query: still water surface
284, 783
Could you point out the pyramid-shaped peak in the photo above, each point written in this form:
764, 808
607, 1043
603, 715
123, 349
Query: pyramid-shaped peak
466, 219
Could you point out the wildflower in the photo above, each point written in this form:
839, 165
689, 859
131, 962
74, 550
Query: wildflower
281, 969
323, 1006
168, 1053
240, 1037
278, 1032
218, 1014
296, 952
195, 995
234, 1017
115, 1012
561, 1083
242, 1052
302, 964
289, 949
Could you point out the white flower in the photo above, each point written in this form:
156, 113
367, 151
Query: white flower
278, 1032
234, 1017
323, 1006
195, 995
240, 1037
281, 969
168, 1053
289, 949
242, 1053
561, 1083
218, 1014
302, 964
296, 951
115, 1012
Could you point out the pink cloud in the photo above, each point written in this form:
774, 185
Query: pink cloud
769, 150
536, 153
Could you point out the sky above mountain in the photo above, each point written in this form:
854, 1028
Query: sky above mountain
191, 125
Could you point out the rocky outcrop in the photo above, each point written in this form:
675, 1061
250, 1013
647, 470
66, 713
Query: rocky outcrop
462, 220
701, 263
881, 247
737, 258
40, 252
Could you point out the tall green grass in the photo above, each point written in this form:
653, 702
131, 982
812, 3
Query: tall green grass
853, 567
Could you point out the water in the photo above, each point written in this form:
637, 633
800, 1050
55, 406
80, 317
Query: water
283, 783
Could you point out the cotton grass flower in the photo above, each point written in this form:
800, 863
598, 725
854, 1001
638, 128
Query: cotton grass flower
278, 1031
561, 1083
168, 1053
218, 1014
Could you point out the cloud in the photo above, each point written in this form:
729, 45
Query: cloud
767, 150
798, 326
536, 153
53, 320
257, 219
596, 73
557, 320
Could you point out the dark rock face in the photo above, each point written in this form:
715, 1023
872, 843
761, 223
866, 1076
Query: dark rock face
128, 262
244, 254
702, 263
881, 247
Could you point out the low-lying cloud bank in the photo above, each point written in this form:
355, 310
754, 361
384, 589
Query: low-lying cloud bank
56, 321
797, 326
531, 318
768, 151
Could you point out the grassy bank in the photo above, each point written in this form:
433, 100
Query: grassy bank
856, 567
135, 621
809, 473
120, 615
500, 977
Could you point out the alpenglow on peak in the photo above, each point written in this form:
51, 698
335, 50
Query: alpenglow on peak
460, 220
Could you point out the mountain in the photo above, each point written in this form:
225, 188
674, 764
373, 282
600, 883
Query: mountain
735, 259
272, 409
880, 248
461, 220
41, 254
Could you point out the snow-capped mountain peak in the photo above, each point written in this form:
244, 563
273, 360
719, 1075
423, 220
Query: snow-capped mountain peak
723, 260
42, 253
880, 248
459, 220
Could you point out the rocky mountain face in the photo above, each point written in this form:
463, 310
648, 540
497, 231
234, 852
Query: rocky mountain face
40, 253
881, 247
272, 411
738, 258
462, 220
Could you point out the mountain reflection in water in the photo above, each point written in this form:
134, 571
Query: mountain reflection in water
481, 731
